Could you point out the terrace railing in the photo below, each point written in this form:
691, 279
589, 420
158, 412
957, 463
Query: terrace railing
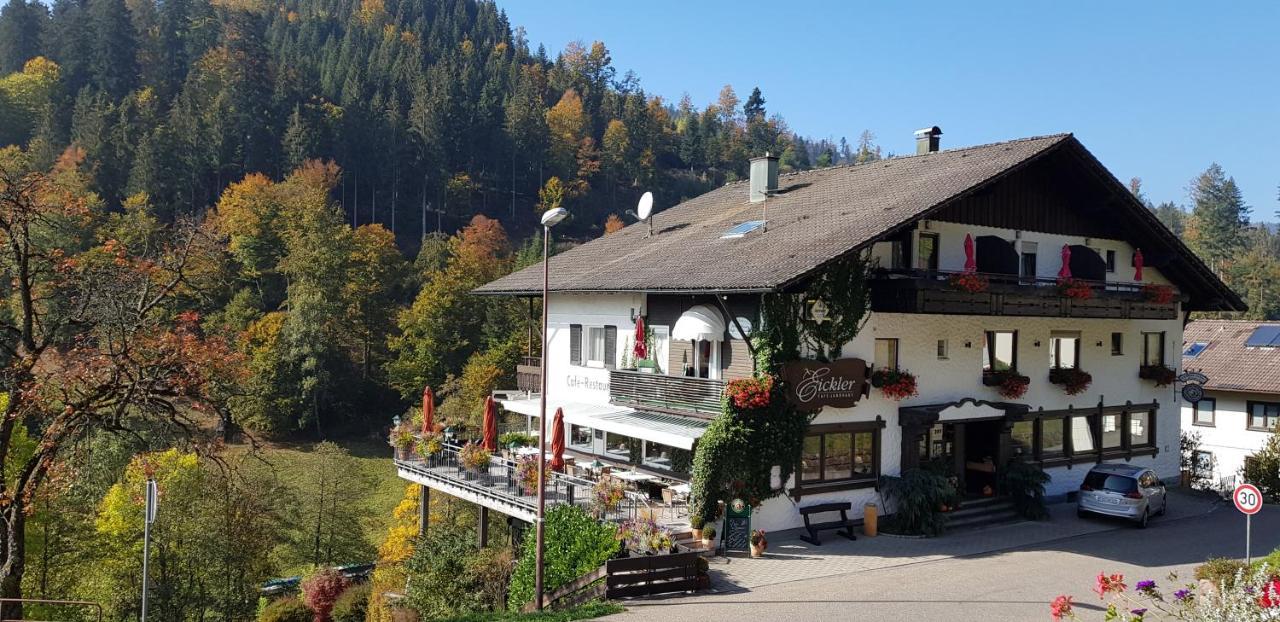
499, 484
663, 392
529, 374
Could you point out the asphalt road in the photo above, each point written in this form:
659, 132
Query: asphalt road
1015, 584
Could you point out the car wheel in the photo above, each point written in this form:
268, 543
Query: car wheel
1142, 522
1164, 507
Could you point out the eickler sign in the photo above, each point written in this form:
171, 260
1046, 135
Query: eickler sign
813, 384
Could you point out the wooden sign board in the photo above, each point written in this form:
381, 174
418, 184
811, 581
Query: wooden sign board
812, 385
737, 527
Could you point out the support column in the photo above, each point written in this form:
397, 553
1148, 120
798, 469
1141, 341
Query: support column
424, 509
483, 528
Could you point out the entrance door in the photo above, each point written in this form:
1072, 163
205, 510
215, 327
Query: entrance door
981, 455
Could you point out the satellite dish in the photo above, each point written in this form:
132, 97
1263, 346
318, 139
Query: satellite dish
645, 208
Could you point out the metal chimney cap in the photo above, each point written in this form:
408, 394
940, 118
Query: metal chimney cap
929, 131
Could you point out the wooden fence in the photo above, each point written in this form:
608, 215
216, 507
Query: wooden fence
622, 578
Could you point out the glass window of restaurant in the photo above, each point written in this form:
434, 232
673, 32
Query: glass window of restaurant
1140, 430
1023, 436
620, 447
1111, 433
839, 456
580, 437
658, 456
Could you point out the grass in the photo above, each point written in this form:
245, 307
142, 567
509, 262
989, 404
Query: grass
594, 609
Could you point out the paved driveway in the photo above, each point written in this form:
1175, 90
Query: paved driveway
1021, 569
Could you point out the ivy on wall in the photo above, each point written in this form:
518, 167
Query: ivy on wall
737, 453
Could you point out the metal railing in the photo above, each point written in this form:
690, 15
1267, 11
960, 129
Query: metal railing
500, 483
676, 393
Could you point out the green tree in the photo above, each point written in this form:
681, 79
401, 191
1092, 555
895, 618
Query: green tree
21, 24
113, 62
1219, 217
1262, 469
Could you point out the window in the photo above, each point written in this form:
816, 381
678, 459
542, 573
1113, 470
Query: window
621, 447
928, 252
1139, 430
1064, 350
1195, 349
899, 254
1023, 436
1052, 435
887, 353
580, 437
1204, 412
1082, 436
840, 456
575, 344
1201, 463
1264, 416
1111, 432
942, 349
657, 455
999, 350
595, 346
1027, 263
1111, 261
1153, 348
1117, 344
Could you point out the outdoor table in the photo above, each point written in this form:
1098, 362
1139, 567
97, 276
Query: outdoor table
530, 451
681, 489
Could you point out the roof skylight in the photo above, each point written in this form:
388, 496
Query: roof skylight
1195, 349
740, 230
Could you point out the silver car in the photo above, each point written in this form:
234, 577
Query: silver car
1123, 490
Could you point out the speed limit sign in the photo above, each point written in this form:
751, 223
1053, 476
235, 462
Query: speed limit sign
1248, 499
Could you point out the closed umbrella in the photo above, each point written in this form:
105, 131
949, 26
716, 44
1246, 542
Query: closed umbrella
557, 441
428, 411
490, 424
1137, 265
970, 263
1065, 272
641, 350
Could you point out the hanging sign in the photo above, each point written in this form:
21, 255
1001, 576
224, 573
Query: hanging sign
812, 385
737, 527
1193, 386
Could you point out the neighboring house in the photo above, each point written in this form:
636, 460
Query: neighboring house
699, 278
1241, 407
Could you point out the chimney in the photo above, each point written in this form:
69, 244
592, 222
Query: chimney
764, 176
927, 140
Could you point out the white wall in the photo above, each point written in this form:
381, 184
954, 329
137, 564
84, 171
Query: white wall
576, 383
1229, 439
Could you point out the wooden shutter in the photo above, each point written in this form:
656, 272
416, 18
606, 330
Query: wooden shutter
610, 347
575, 344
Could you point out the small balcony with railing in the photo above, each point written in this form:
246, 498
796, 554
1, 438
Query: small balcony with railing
660, 392
529, 374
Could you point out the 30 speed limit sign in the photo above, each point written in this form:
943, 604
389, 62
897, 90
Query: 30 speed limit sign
1247, 498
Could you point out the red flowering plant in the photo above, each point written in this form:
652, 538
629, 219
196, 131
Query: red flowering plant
971, 282
1251, 594
1074, 288
1074, 381
1158, 294
895, 384
1008, 383
750, 393
1162, 374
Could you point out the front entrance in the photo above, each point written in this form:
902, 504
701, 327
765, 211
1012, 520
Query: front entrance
969, 448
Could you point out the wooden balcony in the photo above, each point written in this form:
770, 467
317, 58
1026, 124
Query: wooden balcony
529, 374
680, 394
915, 291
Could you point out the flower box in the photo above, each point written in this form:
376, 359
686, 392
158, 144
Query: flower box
1010, 384
1158, 294
1075, 289
1163, 375
969, 282
1073, 380
895, 384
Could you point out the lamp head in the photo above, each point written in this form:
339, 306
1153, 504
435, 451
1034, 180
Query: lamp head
554, 217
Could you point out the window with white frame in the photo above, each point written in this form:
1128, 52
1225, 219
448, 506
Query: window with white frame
1204, 412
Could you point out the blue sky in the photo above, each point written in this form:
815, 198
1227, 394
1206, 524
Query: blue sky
1157, 90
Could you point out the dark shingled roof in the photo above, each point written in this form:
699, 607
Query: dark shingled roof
814, 217
1230, 365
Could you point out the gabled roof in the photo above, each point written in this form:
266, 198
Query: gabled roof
814, 218
1228, 363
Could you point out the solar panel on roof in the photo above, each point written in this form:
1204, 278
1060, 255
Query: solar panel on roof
1195, 349
742, 229
1264, 336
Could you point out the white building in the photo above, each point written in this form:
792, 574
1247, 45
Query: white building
699, 278
1241, 407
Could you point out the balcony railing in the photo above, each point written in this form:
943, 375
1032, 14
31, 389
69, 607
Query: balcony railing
663, 392
919, 291
500, 486
529, 374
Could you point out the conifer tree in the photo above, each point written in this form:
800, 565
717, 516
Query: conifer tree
21, 25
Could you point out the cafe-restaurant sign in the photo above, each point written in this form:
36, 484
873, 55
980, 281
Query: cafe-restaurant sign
812, 385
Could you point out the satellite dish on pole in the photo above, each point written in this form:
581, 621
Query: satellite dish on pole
645, 208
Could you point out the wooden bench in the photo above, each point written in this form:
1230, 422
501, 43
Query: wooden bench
844, 526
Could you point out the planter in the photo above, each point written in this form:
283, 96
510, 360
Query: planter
709, 544
696, 533
758, 550
1073, 380
1160, 374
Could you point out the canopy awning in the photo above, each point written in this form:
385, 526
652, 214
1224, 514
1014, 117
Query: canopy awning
672, 430
700, 322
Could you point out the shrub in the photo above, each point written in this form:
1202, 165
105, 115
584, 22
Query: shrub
709, 532
696, 521
1220, 571
321, 589
287, 609
1025, 484
917, 496
1262, 469
645, 537
353, 605
450, 575
516, 439
575, 545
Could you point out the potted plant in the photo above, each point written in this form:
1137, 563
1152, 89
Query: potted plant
402, 440
429, 447
750, 393
1075, 289
474, 458
1158, 294
1008, 383
704, 573
605, 497
709, 537
527, 473
1073, 379
970, 282
647, 366
644, 536
695, 526
895, 384
758, 543
1162, 374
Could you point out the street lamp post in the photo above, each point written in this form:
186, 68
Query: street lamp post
149, 516
549, 220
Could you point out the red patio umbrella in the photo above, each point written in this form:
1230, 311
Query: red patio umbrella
428, 411
1065, 272
1137, 265
490, 424
557, 441
970, 263
640, 350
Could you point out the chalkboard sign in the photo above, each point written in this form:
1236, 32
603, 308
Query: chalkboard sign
737, 527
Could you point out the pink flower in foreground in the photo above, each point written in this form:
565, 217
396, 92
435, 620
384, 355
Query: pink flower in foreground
1105, 585
1060, 607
